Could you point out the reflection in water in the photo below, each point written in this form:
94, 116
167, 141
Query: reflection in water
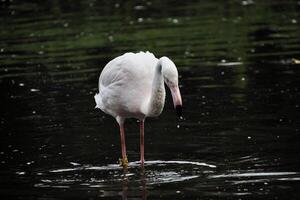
142, 188
125, 185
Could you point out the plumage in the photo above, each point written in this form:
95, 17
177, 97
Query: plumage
132, 86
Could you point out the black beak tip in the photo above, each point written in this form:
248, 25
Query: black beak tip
179, 110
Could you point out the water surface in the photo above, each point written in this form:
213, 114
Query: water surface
240, 86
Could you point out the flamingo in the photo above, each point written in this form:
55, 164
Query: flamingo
132, 86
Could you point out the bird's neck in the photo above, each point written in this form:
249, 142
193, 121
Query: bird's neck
158, 93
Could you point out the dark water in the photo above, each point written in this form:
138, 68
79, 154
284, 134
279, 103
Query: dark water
239, 83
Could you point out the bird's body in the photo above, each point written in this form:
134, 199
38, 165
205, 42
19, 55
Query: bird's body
132, 86
125, 86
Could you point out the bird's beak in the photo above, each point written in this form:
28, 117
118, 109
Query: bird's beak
177, 100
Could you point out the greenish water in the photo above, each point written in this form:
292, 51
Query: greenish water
240, 86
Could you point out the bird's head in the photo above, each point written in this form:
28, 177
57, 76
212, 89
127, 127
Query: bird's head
170, 74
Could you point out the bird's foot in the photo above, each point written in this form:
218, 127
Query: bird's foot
123, 162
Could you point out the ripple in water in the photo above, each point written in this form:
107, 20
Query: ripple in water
156, 172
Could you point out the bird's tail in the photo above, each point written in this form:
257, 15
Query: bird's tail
98, 100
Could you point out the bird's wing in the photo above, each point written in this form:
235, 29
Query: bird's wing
128, 67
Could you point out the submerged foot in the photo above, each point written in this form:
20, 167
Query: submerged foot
142, 163
123, 162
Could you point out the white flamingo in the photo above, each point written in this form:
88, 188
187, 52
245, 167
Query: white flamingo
132, 86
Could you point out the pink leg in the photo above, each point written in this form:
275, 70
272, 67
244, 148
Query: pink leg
123, 144
142, 141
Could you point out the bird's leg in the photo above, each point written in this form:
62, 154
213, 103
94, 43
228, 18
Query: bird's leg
124, 160
142, 141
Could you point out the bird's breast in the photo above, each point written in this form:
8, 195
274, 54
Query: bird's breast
158, 102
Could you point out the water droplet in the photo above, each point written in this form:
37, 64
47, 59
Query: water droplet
140, 20
20, 173
178, 126
294, 21
222, 73
243, 78
249, 137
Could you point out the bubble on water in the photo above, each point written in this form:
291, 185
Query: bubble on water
223, 61
140, 19
294, 21
247, 2
139, 7
111, 38
117, 5
249, 137
21, 84
34, 90
29, 163
66, 25
178, 126
1, 50
175, 21
20, 173
222, 73
243, 78
74, 163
